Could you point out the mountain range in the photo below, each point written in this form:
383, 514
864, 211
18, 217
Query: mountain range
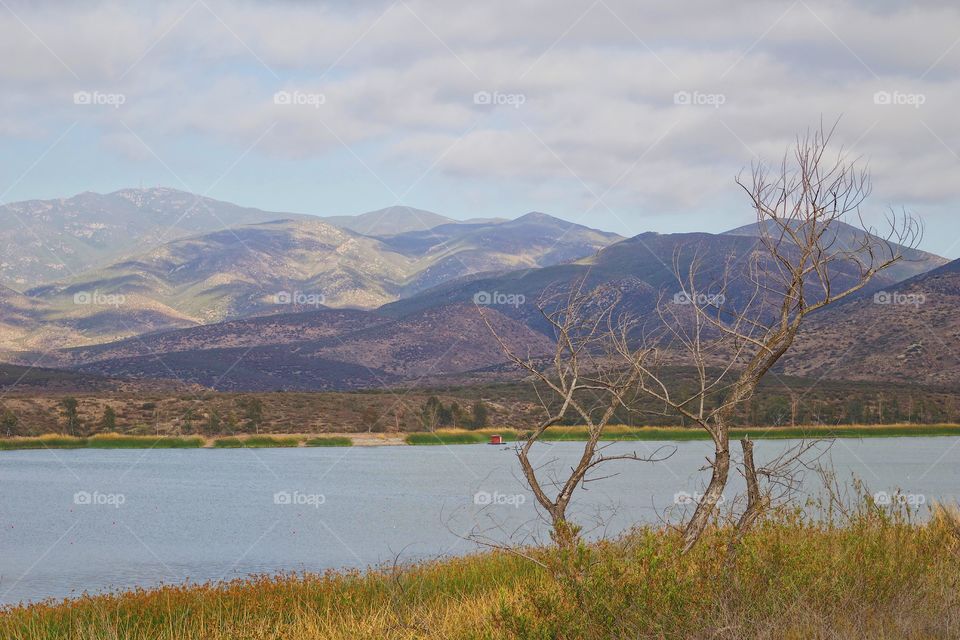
271, 263
281, 301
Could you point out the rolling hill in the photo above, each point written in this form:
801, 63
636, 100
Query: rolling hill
906, 332
848, 236
390, 221
44, 240
241, 271
316, 350
640, 268
291, 265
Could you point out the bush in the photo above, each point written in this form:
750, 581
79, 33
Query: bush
329, 441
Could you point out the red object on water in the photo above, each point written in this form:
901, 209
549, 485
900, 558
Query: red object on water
496, 439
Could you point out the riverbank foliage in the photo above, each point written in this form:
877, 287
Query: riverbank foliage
101, 441
558, 434
875, 574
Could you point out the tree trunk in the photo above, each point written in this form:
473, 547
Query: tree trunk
711, 498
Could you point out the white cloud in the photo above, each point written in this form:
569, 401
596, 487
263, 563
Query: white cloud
597, 86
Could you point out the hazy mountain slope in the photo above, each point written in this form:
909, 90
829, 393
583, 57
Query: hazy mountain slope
533, 240
279, 329
909, 332
291, 265
30, 324
44, 240
326, 349
847, 236
389, 221
641, 268
263, 268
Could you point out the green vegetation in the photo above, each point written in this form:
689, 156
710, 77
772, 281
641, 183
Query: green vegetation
447, 437
117, 441
256, 442
559, 434
873, 574
464, 436
100, 441
69, 406
329, 441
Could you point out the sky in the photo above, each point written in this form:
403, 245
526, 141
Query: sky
622, 115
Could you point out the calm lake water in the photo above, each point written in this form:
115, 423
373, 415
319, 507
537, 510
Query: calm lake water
89, 520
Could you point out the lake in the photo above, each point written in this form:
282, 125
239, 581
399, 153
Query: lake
93, 520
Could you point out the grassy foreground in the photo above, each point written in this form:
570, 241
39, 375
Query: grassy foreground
557, 434
119, 441
875, 575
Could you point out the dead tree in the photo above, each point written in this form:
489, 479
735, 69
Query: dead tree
732, 322
579, 383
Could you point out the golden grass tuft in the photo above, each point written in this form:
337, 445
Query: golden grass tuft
877, 574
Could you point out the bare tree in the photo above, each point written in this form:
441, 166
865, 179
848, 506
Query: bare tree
578, 382
732, 322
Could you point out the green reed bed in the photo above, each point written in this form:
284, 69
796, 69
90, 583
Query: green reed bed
101, 441
258, 442
329, 441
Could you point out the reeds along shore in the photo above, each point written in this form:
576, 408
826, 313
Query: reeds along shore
462, 436
874, 573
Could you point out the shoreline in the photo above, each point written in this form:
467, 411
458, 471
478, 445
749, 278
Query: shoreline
819, 565
448, 437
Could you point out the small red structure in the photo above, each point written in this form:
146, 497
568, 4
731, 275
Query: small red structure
496, 439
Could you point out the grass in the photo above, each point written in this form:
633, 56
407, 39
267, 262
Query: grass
329, 441
875, 574
464, 436
619, 432
101, 441
117, 441
256, 442
448, 436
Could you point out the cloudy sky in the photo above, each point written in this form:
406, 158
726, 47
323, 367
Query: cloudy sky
624, 115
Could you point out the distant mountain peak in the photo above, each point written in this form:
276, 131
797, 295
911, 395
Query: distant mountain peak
537, 215
390, 221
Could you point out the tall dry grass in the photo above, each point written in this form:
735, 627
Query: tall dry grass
874, 574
